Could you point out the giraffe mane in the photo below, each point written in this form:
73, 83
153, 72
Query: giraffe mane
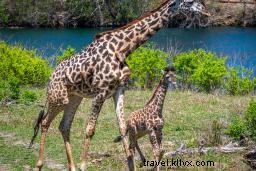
99, 35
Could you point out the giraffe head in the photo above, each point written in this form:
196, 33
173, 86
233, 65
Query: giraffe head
169, 76
190, 6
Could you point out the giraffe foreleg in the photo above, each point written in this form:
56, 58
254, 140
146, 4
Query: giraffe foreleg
118, 98
90, 129
132, 147
156, 149
159, 136
65, 125
142, 157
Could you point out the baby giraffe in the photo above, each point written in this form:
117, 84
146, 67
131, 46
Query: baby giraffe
149, 120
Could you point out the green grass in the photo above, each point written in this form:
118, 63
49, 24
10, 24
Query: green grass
188, 118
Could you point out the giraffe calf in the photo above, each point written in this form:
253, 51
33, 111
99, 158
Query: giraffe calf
149, 120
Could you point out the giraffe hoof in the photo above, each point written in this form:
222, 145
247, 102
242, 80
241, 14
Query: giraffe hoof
141, 165
39, 165
82, 167
72, 169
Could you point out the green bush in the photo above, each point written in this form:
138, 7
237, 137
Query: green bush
146, 65
4, 89
201, 69
21, 65
237, 127
66, 53
232, 84
28, 96
250, 117
14, 87
237, 84
244, 125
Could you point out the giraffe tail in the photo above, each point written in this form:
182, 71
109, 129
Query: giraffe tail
120, 137
36, 127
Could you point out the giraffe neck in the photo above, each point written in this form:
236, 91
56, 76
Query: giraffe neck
157, 99
128, 38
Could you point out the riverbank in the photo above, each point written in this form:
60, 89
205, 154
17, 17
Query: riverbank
115, 13
232, 13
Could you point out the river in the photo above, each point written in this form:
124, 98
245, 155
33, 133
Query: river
238, 44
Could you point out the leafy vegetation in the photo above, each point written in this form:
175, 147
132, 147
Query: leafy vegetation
66, 53
28, 96
250, 117
4, 18
237, 127
20, 67
199, 68
72, 12
244, 125
146, 65
240, 81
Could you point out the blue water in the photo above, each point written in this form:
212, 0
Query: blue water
239, 44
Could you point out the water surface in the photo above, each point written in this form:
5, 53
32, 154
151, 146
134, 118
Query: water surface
239, 44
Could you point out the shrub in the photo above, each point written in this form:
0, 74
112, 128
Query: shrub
28, 96
66, 53
14, 87
146, 65
21, 65
237, 127
240, 81
4, 90
250, 117
232, 84
200, 68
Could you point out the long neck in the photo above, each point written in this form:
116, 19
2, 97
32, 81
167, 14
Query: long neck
157, 99
126, 39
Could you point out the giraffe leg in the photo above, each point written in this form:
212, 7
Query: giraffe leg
65, 125
49, 116
132, 147
96, 107
142, 157
156, 149
159, 136
118, 98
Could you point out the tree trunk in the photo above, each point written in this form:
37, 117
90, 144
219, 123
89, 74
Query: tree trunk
110, 10
101, 18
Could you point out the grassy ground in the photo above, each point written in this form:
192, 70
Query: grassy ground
188, 119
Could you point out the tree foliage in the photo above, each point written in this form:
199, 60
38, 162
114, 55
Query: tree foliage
59, 13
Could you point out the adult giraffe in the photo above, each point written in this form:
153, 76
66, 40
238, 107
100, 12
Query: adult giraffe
100, 72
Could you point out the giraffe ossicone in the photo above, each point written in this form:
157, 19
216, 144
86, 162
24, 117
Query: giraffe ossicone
100, 72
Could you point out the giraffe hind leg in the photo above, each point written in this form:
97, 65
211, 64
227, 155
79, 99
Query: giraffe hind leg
90, 128
51, 113
65, 125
